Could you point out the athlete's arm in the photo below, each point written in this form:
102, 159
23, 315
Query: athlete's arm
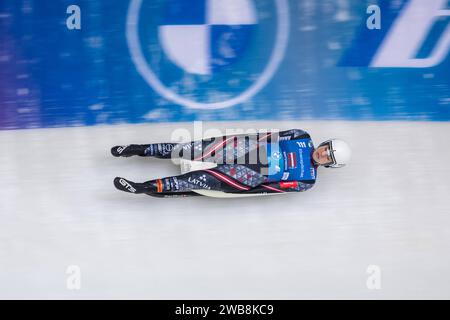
294, 134
282, 187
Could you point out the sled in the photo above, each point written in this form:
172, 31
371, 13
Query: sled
191, 165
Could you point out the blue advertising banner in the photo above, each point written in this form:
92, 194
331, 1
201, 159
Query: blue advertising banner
85, 62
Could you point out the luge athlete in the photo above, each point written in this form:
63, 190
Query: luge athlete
260, 163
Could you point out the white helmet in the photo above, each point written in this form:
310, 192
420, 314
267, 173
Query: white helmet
340, 152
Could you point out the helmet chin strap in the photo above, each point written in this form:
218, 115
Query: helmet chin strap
328, 165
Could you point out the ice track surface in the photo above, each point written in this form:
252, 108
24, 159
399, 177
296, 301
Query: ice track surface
389, 208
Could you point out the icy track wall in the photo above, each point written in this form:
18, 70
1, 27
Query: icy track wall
173, 60
138, 70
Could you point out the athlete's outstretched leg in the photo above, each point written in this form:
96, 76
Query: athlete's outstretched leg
150, 188
218, 179
164, 150
225, 149
195, 180
159, 150
193, 150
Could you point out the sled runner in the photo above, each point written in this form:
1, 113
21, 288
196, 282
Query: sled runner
192, 165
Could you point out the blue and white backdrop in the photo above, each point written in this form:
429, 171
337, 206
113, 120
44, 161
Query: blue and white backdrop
173, 60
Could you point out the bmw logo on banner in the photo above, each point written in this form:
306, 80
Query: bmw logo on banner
207, 54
